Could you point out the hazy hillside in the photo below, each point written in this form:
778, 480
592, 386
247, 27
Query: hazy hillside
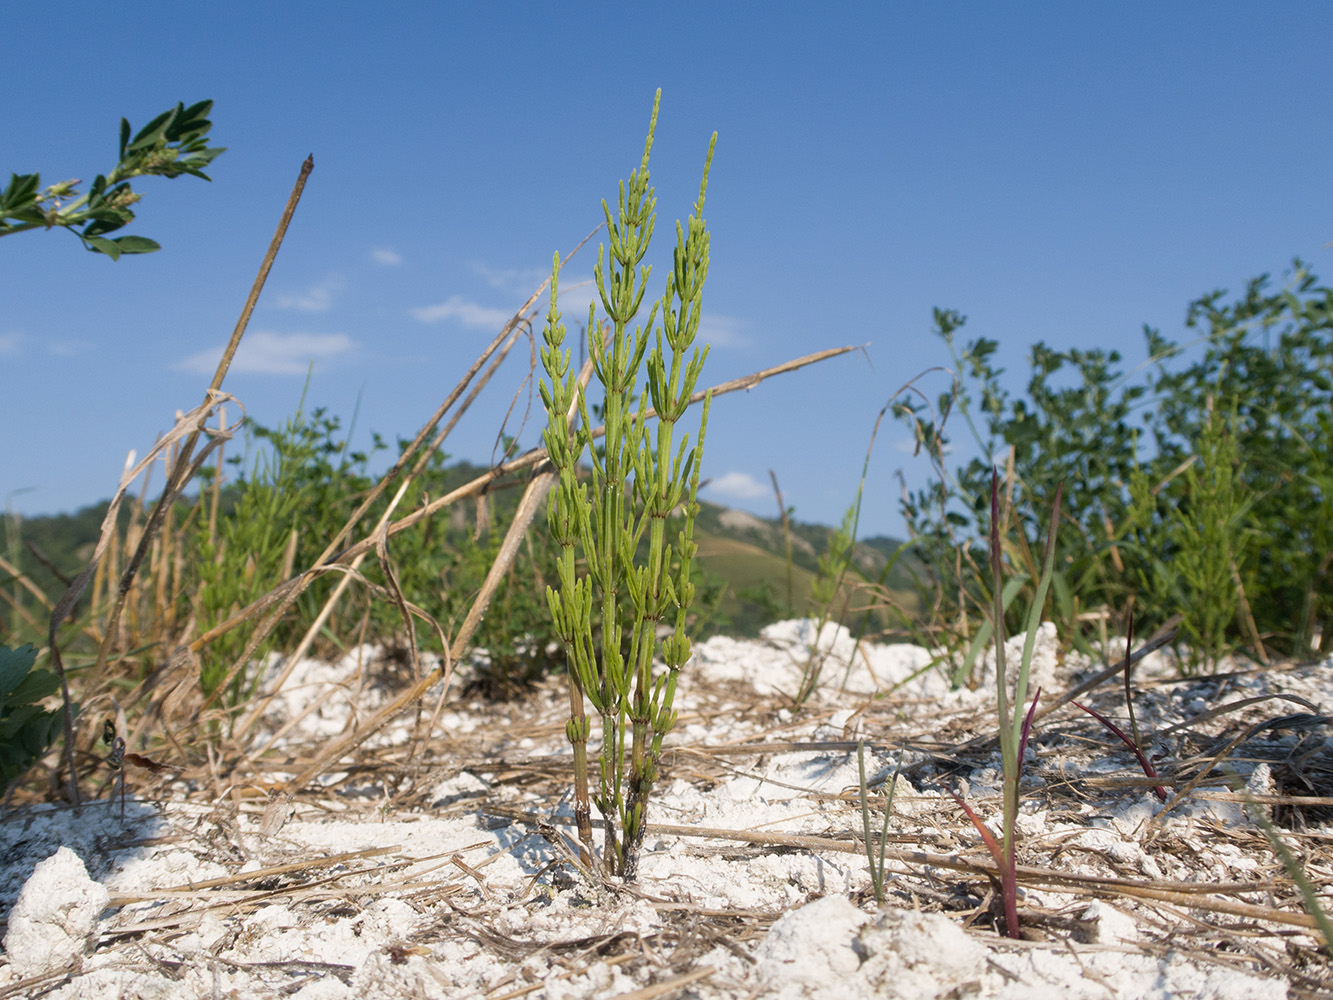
750, 554
744, 557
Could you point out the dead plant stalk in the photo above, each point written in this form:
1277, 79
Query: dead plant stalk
285, 594
183, 469
528, 509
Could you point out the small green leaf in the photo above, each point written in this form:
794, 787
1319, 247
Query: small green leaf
98, 244
137, 244
150, 133
15, 665
11, 726
37, 685
106, 220
39, 734
21, 192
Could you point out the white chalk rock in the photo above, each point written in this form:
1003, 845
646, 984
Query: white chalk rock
812, 949
54, 920
919, 956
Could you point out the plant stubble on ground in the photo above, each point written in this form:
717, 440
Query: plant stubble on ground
441, 861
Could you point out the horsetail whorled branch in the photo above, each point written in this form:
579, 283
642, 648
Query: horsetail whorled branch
634, 482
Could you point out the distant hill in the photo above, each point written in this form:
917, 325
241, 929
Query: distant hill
749, 553
743, 556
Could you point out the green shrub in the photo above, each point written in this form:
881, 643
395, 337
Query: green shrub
27, 730
1240, 540
519, 642
294, 496
300, 485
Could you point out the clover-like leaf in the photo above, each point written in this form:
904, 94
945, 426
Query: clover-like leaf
15, 665
20, 193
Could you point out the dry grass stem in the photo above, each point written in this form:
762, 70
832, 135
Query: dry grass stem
184, 466
188, 424
289, 589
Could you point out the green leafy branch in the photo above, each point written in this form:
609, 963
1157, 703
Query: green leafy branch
172, 144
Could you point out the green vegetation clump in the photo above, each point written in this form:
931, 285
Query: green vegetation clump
1204, 488
300, 485
27, 729
265, 513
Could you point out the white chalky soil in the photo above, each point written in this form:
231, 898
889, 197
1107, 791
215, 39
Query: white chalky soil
455, 897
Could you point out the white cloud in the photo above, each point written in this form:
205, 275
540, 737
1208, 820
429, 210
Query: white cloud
738, 486
266, 353
68, 348
722, 331
386, 256
519, 280
577, 292
574, 299
316, 298
15, 343
468, 313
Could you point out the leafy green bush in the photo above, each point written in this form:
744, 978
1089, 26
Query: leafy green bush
1228, 518
1269, 365
27, 729
285, 506
519, 642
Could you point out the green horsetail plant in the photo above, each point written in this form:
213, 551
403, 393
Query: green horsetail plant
824, 594
620, 513
1216, 540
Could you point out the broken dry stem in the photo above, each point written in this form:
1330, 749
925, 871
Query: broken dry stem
288, 590
1194, 895
184, 469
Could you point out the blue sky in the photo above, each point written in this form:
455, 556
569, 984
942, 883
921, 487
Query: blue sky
1057, 172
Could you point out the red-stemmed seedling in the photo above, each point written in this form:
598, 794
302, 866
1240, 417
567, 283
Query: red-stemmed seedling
1014, 730
1005, 857
1131, 742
